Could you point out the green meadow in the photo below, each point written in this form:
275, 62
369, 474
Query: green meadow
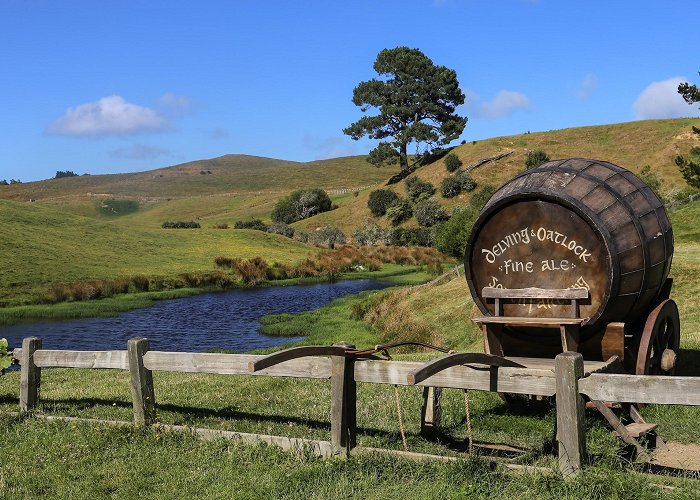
68, 235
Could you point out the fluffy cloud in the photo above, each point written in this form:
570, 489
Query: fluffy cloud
108, 116
140, 152
504, 104
661, 100
588, 86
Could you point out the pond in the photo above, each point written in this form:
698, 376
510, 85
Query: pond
222, 320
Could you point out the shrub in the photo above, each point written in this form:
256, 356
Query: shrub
256, 224
451, 236
429, 212
181, 225
285, 212
399, 211
327, 236
480, 198
301, 235
417, 187
452, 162
301, 205
410, 237
651, 179
221, 226
466, 181
695, 150
535, 159
281, 228
65, 173
369, 234
450, 187
140, 283
380, 200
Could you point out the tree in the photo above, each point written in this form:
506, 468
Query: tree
690, 171
689, 92
301, 205
65, 173
380, 200
452, 162
416, 101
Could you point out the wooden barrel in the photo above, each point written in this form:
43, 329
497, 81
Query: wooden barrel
574, 223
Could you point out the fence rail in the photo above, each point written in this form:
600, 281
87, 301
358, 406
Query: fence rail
565, 380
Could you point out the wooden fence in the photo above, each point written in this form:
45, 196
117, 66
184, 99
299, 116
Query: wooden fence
566, 381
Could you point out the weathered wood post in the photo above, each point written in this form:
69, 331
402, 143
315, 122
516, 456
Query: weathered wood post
571, 428
431, 411
142, 393
343, 403
30, 375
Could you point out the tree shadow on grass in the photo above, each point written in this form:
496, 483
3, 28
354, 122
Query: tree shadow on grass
688, 364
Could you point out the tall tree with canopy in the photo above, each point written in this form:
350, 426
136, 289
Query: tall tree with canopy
416, 100
690, 93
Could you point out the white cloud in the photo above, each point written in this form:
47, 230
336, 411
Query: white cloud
175, 105
110, 115
662, 100
505, 103
140, 152
587, 87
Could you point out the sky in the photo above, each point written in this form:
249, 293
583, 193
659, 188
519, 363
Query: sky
122, 86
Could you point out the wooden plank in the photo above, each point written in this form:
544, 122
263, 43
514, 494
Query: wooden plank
613, 341
235, 364
294, 353
411, 455
531, 322
30, 375
82, 359
654, 389
319, 448
431, 410
637, 430
483, 378
621, 430
343, 405
142, 393
534, 293
571, 427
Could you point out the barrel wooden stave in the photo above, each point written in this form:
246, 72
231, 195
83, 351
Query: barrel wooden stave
627, 216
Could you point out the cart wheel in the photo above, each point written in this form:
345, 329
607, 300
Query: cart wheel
660, 341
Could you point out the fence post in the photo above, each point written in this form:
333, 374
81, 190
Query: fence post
30, 375
571, 428
343, 403
431, 411
142, 393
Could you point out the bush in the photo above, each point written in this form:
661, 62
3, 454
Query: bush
411, 237
399, 211
285, 212
65, 173
429, 212
380, 200
369, 234
466, 181
535, 159
451, 236
256, 224
180, 225
301, 235
300, 205
417, 187
651, 179
327, 236
450, 187
480, 198
221, 226
281, 228
452, 162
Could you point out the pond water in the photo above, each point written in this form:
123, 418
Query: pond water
224, 320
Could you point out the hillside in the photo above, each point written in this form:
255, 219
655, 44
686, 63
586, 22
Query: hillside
631, 145
239, 174
41, 246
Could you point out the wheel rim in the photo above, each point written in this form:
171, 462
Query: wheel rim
661, 332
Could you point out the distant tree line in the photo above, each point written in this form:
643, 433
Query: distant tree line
65, 173
12, 181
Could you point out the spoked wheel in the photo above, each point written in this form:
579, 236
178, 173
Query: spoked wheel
660, 341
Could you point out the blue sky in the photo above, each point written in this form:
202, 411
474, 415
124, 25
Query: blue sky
121, 86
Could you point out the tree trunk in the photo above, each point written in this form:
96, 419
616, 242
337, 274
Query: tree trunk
403, 157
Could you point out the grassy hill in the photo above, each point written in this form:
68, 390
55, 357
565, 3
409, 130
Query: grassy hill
631, 145
240, 174
41, 246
